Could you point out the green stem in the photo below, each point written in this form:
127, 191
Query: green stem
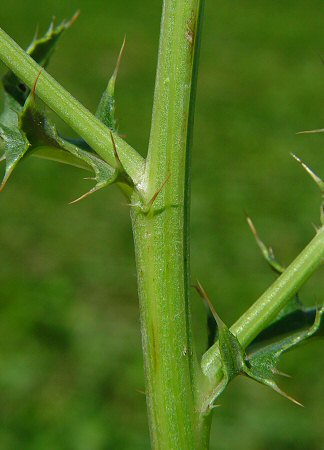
267, 307
80, 119
161, 238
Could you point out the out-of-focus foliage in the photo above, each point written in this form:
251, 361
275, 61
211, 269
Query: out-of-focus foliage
70, 358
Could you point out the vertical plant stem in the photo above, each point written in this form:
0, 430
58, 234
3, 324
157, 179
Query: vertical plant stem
160, 225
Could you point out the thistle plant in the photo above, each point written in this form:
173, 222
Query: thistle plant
182, 389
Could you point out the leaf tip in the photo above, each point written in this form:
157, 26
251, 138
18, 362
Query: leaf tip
120, 56
288, 397
278, 372
4, 180
82, 197
310, 172
251, 225
320, 130
73, 19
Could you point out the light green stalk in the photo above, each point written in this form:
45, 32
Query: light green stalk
160, 227
274, 299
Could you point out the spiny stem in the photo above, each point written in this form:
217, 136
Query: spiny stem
161, 238
268, 306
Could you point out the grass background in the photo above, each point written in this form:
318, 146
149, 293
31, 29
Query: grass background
70, 351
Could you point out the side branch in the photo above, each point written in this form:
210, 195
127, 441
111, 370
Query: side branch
269, 305
80, 119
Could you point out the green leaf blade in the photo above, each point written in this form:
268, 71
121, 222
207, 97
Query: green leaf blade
106, 107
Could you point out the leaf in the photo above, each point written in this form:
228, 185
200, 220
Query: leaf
41, 50
40, 134
61, 156
106, 108
231, 351
15, 144
15, 147
24, 129
104, 174
292, 322
261, 365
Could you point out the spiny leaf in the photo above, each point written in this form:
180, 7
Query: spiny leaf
40, 135
21, 136
104, 174
61, 156
291, 322
15, 144
42, 132
259, 364
231, 352
15, 147
106, 108
262, 363
24, 129
41, 50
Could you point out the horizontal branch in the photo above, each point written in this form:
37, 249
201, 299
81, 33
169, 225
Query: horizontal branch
79, 118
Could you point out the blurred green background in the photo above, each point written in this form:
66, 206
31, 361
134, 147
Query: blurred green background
70, 353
